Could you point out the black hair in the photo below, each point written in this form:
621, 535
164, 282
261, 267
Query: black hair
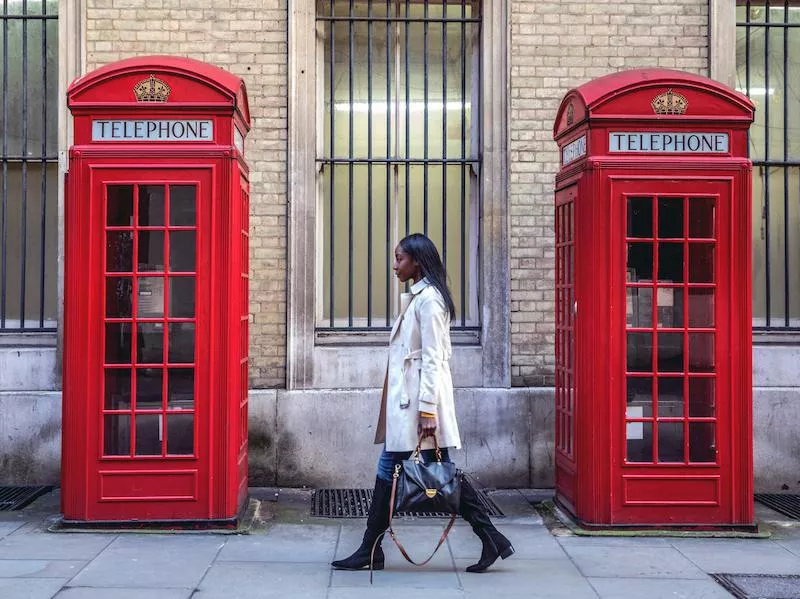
424, 252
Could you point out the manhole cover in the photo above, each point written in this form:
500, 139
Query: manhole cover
354, 503
760, 586
16, 498
788, 505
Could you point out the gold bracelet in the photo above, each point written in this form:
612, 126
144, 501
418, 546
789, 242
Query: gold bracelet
427, 414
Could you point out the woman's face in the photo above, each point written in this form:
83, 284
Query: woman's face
405, 267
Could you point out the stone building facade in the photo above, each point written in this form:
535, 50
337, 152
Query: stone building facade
314, 396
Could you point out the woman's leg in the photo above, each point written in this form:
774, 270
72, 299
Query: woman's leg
495, 544
378, 518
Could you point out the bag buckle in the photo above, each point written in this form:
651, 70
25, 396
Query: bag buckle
431, 493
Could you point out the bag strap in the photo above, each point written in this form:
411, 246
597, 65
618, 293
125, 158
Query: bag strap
418, 450
394, 536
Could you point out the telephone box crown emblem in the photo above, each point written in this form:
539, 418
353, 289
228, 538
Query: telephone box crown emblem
151, 89
669, 102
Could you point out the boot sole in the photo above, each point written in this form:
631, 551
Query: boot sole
508, 552
375, 566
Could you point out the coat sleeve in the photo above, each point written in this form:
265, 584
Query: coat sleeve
434, 320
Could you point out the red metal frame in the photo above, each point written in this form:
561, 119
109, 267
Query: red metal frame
623, 459
206, 477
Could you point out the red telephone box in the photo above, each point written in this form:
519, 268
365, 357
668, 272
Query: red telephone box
156, 294
653, 304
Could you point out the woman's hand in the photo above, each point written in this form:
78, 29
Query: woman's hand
426, 427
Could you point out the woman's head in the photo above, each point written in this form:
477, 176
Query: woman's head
416, 257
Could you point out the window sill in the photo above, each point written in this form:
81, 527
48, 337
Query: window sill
380, 338
28, 339
776, 338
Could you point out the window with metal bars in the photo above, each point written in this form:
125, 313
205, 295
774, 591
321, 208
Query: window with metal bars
29, 175
398, 151
768, 71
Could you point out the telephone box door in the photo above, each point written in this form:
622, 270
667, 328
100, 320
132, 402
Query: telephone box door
674, 412
150, 248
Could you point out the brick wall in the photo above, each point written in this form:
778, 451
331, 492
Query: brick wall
556, 46
249, 39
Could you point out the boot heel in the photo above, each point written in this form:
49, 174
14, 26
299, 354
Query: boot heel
378, 566
508, 552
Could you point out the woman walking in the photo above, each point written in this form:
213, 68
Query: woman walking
417, 401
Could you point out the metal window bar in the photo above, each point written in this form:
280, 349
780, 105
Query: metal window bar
350, 177
388, 166
14, 307
755, 28
425, 122
398, 21
463, 58
331, 297
369, 155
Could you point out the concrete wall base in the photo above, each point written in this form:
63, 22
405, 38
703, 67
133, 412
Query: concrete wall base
323, 438
30, 438
26, 368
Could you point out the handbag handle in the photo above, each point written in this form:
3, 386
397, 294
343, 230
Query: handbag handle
418, 450
402, 549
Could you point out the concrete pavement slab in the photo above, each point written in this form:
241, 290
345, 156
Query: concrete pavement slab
44, 545
401, 577
419, 541
151, 561
264, 581
533, 579
30, 588
283, 543
745, 556
792, 545
35, 568
625, 588
530, 542
394, 593
641, 562
6, 528
115, 593
610, 541
515, 506
513, 594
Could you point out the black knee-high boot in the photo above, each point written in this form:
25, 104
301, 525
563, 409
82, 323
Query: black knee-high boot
377, 523
495, 544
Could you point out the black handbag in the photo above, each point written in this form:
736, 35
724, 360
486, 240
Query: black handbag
427, 487
418, 486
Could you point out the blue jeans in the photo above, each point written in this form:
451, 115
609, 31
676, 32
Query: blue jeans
389, 459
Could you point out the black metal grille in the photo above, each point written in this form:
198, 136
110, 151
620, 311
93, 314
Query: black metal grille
768, 43
28, 180
16, 498
400, 150
788, 505
354, 503
760, 586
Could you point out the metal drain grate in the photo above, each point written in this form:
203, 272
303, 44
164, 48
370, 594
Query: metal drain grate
788, 505
354, 503
16, 498
760, 586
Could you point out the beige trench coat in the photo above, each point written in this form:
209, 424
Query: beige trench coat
418, 373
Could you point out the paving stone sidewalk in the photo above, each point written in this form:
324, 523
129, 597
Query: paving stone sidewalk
287, 554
